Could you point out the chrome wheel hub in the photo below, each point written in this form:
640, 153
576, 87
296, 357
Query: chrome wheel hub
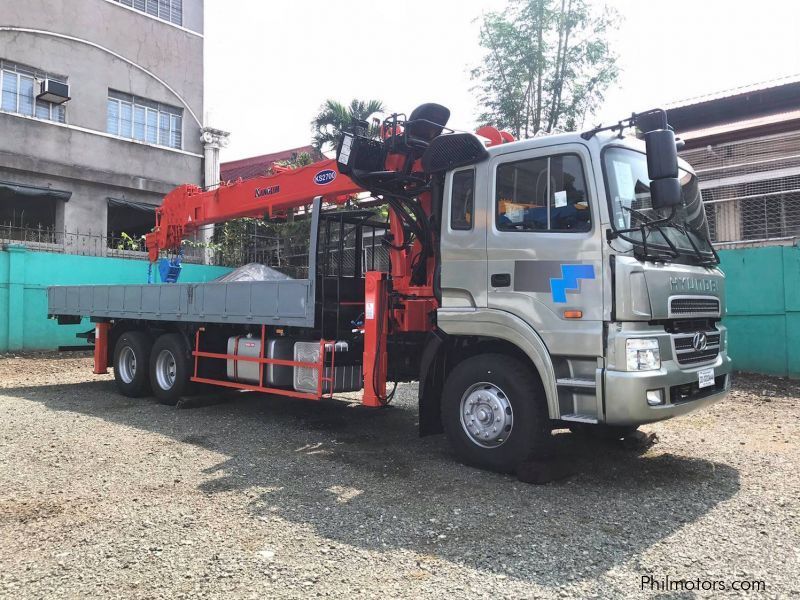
165, 369
127, 364
486, 415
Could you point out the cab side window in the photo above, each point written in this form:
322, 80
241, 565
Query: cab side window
462, 200
542, 194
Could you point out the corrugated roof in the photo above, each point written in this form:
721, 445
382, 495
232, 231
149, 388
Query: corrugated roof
740, 125
737, 91
744, 103
256, 166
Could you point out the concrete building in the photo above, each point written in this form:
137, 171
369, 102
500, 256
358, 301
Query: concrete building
100, 116
745, 146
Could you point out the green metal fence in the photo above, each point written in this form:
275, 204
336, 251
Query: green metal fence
763, 299
25, 276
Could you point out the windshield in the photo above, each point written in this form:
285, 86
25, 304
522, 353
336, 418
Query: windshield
630, 207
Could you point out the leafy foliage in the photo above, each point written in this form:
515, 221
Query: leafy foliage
302, 160
334, 117
127, 242
547, 66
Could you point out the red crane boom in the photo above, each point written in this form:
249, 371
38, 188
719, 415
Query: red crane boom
187, 208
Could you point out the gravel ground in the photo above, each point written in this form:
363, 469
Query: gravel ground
254, 497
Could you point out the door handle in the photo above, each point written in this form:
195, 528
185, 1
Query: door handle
501, 280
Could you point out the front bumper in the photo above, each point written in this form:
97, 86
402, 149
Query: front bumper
625, 391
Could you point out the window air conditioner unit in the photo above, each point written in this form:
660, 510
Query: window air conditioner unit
53, 91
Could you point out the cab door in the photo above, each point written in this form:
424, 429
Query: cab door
544, 247
463, 239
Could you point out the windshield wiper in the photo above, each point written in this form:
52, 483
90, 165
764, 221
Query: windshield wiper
702, 259
648, 224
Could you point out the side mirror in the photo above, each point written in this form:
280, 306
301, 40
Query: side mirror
666, 192
662, 154
662, 168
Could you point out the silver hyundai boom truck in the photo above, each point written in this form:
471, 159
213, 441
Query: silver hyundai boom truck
561, 281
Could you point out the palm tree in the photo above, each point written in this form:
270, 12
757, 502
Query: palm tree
334, 117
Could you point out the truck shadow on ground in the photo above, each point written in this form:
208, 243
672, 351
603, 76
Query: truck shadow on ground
362, 477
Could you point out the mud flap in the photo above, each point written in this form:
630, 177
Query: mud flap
431, 383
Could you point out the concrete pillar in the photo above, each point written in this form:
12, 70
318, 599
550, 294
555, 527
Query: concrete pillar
16, 296
213, 140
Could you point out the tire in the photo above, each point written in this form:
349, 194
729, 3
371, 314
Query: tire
495, 389
170, 368
132, 362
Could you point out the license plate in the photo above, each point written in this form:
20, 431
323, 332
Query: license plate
705, 378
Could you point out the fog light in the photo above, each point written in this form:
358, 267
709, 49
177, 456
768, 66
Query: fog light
642, 354
655, 397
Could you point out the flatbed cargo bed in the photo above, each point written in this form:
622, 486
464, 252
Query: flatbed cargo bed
287, 302
284, 302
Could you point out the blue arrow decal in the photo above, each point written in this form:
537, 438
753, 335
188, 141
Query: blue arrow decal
570, 274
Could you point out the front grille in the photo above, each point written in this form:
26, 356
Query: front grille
685, 343
686, 354
698, 356
681, 307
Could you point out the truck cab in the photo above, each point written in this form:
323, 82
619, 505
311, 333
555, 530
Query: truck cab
551, 251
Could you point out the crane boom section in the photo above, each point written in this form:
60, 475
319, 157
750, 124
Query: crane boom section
188, 207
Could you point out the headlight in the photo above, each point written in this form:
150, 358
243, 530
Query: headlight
642, 354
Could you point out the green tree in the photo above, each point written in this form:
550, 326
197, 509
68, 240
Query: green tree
301, 160
547, 65
334, 117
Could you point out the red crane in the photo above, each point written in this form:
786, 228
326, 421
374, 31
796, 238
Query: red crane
187, 208
403, 299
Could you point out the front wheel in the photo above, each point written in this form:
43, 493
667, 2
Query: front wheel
494, 412
170, 368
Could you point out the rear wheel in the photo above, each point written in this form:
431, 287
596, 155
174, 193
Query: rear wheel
131, 360
170, 368
494, 412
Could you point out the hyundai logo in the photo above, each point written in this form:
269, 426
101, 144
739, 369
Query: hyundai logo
694, 284
325, 177
699, 341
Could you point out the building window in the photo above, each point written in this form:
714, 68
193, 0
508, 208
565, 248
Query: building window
135, 118
19, 85
166, 10
542, 194
127, 223
28, 213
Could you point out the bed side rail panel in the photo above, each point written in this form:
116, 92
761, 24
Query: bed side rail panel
285, 302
